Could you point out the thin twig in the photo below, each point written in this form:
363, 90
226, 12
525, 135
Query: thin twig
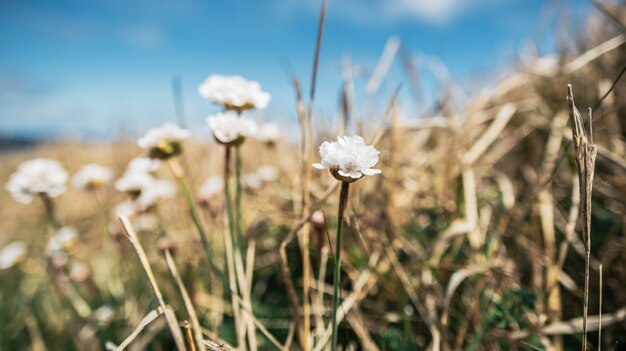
145, 321
308, 156
361, 287
186, 299
189, 335
619, 76
600, 311
171, 320
284, 261
260, 325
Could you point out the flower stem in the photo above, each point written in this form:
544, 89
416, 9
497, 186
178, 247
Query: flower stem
229, 243
179, 174
343, 200
50, 211
227, 198
238, 197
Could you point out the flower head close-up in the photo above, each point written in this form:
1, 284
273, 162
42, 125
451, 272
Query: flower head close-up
92, 176
234, 92
348, 158
40, 176
230, 129
164, 142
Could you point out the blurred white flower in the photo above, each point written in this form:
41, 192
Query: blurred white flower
211, 187
267, 173
104, 314
92, 176
252, 181
348, 158
262, 175
143, 165
12, 254
127, 209
234, 92
229, 128
318, 220
133, 182
163, 142
79, 271
154, 192
144, 190
64, 238
268, 133
37, 177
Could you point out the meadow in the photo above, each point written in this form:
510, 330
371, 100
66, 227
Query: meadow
498, 224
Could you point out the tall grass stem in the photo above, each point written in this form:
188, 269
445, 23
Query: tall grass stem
179, 175
343, 200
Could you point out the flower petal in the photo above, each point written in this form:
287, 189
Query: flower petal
371, 171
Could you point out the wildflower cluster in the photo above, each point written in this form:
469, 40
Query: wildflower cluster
143, 188
234, 92
35, 177
164, 142
231, 129
92, 176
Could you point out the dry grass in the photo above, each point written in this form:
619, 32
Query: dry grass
476, 237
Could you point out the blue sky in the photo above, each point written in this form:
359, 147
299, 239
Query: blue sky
91, 69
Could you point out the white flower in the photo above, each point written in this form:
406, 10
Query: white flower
133, 182
267, 173
229, 128
92, 176
154, 192
268, 133
234, 92
145, 191
103, 315
348, 158
36, 177
127, 209
144, 165
211, 187
12, 254
163, 142
262, 175
318, 220
252, 181
79, 272
63, 239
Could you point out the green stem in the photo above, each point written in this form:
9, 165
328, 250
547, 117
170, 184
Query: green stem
50, 211
228, 199
238, 199
231, 244
194, 214
343, 200
193, 211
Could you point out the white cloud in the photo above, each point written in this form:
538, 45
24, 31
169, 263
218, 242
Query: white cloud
436, 11
375, 12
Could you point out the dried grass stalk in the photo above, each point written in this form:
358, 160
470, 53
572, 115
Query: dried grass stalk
171, 318
585, 155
